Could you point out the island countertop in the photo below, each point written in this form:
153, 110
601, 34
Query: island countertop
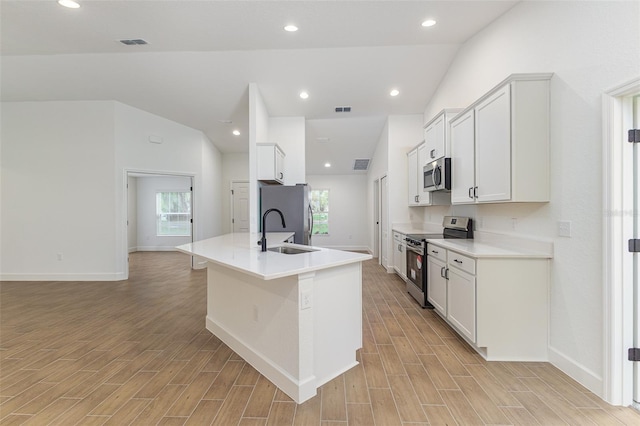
240, 251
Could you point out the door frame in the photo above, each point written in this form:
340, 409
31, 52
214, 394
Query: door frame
617, 227
153, 173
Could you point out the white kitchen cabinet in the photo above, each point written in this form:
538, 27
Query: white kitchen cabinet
498, 303
412, 171
500, 144
437, 282
400, 255
436, 134
270, 159
461, 296
463, 158
416, 159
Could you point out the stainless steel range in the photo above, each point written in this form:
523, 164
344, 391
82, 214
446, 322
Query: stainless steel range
454, 227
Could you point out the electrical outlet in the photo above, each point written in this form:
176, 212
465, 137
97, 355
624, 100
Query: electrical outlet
255, 313
305, 300
514, 223
564, 228
60, 256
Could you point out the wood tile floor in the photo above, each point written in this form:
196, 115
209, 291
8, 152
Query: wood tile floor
136, 352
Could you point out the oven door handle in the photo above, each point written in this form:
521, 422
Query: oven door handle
416, 250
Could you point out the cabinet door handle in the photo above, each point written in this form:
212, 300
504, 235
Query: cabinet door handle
459, 262
442, 272
416, 198
435, 251
281, 175
470, 192
433, 153
475, 192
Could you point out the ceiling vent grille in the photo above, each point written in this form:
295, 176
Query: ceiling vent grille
343, 109
133, 42
361, 164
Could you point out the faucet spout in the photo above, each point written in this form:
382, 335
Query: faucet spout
263, 240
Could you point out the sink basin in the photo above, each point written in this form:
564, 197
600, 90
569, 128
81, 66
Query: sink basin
290, 250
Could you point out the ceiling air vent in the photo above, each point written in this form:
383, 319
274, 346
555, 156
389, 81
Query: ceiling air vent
133, 42
361, 164
343, 109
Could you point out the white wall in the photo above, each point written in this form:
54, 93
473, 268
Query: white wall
289, 134
235, 167
258, 133
400, 134
347, 211
58, 188
64, 184
377, 169
147, 238
591, 47
183, 151
405, 132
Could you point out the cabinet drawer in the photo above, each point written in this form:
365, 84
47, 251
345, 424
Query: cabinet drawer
398, 237
462, 262
437, 252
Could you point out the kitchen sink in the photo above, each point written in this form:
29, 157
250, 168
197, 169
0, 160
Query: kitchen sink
291, 250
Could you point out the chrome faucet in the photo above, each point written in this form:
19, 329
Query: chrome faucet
263, 240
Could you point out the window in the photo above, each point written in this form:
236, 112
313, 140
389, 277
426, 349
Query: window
173, 213
320, 206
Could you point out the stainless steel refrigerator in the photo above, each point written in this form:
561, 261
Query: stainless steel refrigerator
293, 202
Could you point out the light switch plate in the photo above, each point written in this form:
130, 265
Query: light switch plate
564, 228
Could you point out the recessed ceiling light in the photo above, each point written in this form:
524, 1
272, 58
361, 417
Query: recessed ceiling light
394, 92
69, 3
304, 95
428, 23
236, 132
291, 28
327, 164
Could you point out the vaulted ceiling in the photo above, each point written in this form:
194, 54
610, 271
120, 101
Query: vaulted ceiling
201, 56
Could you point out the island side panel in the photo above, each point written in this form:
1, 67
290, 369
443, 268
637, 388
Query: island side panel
337, 303
259, 320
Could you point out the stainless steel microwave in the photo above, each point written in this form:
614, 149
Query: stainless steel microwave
437, 175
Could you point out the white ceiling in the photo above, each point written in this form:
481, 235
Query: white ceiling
202, 55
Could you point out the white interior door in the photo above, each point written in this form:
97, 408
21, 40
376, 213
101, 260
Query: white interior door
240, 206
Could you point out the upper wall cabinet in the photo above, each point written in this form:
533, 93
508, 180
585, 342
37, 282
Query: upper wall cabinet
500, 144
270, 159
436, 134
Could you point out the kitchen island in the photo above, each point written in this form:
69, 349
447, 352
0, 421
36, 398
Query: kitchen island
296, 318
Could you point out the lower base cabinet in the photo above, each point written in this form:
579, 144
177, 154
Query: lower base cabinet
437, 284
499, 305
461, 302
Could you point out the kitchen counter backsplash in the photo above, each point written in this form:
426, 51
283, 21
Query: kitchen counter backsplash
416, 228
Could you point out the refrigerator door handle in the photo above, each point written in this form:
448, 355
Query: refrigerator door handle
310, 223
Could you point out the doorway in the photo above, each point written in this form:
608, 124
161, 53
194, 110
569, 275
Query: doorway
621, 175
159, 212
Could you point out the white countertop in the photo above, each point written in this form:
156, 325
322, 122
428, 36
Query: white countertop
477, 249
240, 251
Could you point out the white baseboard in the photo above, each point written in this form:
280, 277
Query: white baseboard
155, 248
577, 372
299, 391
112, 276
